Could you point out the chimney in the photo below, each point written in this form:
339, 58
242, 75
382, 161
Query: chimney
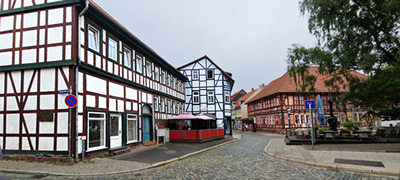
252, 89
262, 86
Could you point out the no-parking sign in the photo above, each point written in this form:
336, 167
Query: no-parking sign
71, 101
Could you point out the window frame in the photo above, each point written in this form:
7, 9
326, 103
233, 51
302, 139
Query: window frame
157, 73
212, 97
194, 96
125, 49
137, 128
213, 74
136, 63
227, 97
98, 49
104, 119
168, 80
110, 39
149, 69
169, 106
195, 77
156, 103
162, 77
162, 104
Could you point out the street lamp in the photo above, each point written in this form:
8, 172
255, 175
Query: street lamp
290, 130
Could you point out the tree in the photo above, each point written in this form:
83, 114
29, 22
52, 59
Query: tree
353, 35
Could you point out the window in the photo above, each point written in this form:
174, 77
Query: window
168, 106
173, 107
157, 74
168, 80
132, 128
127, 58
196, 97
156, 104
139, 64
97, 130
227, 97
93, 38
210, 97
173, 81
163, 77
148, 69
210, 74
112, 49
195, 75
162, 104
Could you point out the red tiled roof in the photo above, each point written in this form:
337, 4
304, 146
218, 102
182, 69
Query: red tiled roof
286, 84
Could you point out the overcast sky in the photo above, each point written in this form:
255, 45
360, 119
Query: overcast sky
249, 38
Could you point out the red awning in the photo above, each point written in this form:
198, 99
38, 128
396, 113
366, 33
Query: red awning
188, 116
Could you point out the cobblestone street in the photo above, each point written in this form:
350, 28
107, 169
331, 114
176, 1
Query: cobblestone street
244, 159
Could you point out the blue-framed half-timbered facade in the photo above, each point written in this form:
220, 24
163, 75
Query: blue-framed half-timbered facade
122, 85
208, 91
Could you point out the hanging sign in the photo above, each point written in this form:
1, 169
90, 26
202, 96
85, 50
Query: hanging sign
71, 101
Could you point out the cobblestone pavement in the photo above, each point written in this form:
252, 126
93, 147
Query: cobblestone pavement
244, 159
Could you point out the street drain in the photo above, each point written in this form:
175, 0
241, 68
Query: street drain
360, 162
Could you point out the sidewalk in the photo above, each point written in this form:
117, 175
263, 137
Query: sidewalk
363, 161
137, 159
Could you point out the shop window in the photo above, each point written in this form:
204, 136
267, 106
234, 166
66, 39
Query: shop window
97, 130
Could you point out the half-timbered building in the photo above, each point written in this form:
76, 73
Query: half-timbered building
270, 107
51, 47
208, 91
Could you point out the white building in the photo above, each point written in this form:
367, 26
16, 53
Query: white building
208, 91
121, 84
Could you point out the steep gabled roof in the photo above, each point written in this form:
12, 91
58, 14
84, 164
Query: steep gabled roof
205, 56
237, 95
286, 84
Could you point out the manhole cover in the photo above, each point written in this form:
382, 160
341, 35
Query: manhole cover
360, 162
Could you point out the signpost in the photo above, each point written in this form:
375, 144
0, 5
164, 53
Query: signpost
310, 104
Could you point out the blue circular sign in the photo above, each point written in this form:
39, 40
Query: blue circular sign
71, 101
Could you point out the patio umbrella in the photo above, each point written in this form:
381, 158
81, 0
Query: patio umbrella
184, 116
320, 111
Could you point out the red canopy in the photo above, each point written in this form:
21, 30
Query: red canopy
188, 116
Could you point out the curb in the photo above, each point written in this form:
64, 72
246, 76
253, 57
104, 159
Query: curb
119, 172
331, 166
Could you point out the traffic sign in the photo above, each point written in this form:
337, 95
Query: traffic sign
71, 101
309, 104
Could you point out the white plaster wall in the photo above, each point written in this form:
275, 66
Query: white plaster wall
46, 127
30, 20
12, 125
25, 143
46, 143
54, 53
6, 58
47, 80
46, 102
80, 123
12, 104
62, 124
55, 16
62, 144
116, 90
12, 143
1, 124
55, 35
29, 56
131, 93
121, 107
102, 102
31, 103
90, 101
6, 41
6, 23
112, 104
96, 85
30, 119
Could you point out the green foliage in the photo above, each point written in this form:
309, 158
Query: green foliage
352, 125
353, 35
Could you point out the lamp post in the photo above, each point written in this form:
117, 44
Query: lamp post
290, 130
